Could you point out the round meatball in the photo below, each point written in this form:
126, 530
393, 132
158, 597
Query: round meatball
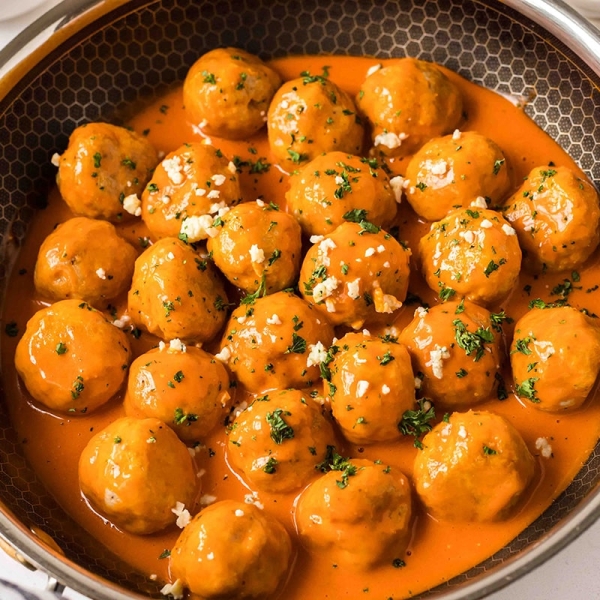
183, 386
136, 472
357, 275
487, 468
555, 357
270, 343
189, 190
309, 116
556, 215
257, 241
370, 385
473, 252
227, 93
102, 165
336, 184
232, 550
176, 294
279, 439
360, 513
71, 358
84, 258
453, 171
407, 103
455, 351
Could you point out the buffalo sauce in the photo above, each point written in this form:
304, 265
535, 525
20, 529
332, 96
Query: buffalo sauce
437, 551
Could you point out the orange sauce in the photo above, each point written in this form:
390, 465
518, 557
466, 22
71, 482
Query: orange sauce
438, 551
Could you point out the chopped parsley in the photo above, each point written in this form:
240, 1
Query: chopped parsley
417, 422
472, 343
280, 430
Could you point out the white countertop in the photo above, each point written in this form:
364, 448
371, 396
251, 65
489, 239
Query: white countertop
573, 574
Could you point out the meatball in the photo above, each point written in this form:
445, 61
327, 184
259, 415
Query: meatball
455, 350
102, 165
183, 386
257, 241
486, 468
556, 215
84, 258
232, 550
309, 116
357, 275
71, 358
555, 357
453, 171
177, 294
407, 103
336, 184
135, 472
189, 190
227, 93
270, 342
279, 439
371, 385
360, 513
473, 252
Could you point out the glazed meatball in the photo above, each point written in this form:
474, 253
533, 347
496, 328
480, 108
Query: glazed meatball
486, 468
556, 215
135, 472
278, 440
357, 275
227, 93
84, 258
183, 386
257, 241
309, 116
71, 358
335, 184
177, 294
473, 252
360, 513
456, 350
102, 165
189, 190
271, 343
406, 104
555, 357
452, 171
371, 385
232, 550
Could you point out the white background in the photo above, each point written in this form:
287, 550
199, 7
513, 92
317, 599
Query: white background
571, 575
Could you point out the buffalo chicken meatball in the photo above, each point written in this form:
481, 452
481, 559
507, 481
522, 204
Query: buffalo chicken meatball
227, 93
71, 358
102, 166
456, 349
257, 241
181, 385
309, 116
279, 439
138, 473
84, 258
335, 184
176, 294
406, 104
475, 467
189, 190
473, 252
273, 342
555, 357
359, 513
453, 171
371, 385
231, 550
357, 275
556, 215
